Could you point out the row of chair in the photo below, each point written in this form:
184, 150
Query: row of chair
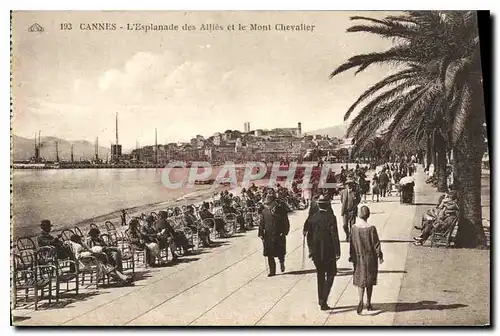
38, 270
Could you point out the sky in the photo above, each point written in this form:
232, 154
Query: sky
71, 83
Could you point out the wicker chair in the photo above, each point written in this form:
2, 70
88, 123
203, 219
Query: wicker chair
77, 231
31, 276
210, 223
445, 238
25, 243
66, 271
231, 223
66, 235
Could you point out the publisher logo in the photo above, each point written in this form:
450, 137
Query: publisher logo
35, 28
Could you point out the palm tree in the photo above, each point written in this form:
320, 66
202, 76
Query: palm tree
436, 95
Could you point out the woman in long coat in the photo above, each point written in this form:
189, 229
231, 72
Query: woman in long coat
365, 254
273, 229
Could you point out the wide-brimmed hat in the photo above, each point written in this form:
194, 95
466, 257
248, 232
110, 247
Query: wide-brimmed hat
322, 199
45, 223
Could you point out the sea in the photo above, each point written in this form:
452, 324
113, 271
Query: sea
78, 197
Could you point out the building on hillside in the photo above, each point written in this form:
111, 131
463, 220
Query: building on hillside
217, 139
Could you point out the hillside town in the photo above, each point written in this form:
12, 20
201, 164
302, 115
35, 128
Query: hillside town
267, 145
250, 145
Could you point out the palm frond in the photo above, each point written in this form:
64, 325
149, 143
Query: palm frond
398, 54
454, 70
388, 81
388, 31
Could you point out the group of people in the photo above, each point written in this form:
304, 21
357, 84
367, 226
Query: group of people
109, 257
321, 232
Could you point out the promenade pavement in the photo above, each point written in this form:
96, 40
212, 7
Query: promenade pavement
228, 284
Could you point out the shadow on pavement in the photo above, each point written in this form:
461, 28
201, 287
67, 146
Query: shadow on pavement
185, 260
141, 275
66, 300
351, 272
19, 318
426, 204
302, 272
218, 244
396, 241
311, 271
396, 307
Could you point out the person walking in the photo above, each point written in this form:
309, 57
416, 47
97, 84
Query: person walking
273, 229
384, 182
350, 199
324, 247
375, 187
365, 253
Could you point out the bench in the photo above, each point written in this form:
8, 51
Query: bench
445, 238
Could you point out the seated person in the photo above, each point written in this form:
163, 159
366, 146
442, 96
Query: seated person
253, 188
218, 214
134, 235
150, 237
80, 249
445, 218
431, 214
203, 232
46, 239
113, 253
172, 236
229, 208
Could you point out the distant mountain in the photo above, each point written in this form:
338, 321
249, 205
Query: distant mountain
337, 131
24, 149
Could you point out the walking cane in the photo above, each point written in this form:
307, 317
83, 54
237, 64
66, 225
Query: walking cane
303, 252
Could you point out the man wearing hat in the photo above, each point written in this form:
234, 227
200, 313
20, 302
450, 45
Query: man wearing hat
113, 253
350, 199
167, 232
273, 229
46, 239
324, 247
191, 222
150, 236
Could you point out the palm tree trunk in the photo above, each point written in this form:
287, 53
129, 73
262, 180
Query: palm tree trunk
442, 185
467, 162
428, 153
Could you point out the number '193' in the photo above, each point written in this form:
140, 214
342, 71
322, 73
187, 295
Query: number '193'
66, 26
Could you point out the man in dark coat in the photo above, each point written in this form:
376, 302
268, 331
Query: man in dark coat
273, 229
46, 239
315, 206
168, 234
350, 199
324, 247
384, 182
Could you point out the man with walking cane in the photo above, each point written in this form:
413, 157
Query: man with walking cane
324, 247
273, 229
